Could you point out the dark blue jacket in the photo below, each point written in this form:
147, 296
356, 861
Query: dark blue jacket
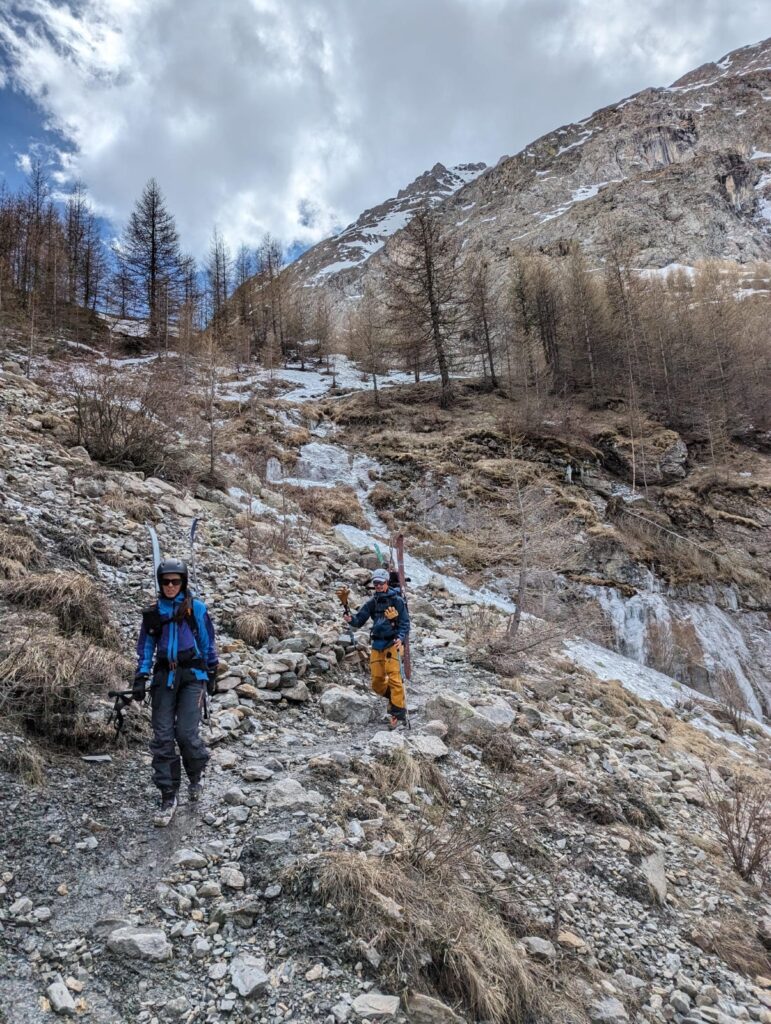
384, 631
177, 642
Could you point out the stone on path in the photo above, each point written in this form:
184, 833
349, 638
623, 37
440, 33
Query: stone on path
386, 742
373, 1004
60, 998
140, 943
247, 975
232, 878
290, 793
342, 704
190, 859
608, 1011
428, 746
538, 948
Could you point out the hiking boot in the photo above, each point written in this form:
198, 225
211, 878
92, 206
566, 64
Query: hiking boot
195, 789
397, 717
165, 812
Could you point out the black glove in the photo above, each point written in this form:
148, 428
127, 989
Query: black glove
139, 688
211, 682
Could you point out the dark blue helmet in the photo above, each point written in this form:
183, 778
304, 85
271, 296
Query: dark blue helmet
173, 565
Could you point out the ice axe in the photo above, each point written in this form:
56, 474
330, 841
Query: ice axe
343, 595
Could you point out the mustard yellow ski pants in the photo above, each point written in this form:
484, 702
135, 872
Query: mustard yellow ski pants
386, 675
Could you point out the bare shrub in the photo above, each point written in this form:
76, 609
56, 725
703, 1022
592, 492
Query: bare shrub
732, 704
742, 812
47, 681
434, 931
125, 420
74, 598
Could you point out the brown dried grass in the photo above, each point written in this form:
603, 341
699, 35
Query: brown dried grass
47, 682
19, 757
141, 510
331, 505
731, 937
18, 549
74, 598
255, 625
434, 932
401, 770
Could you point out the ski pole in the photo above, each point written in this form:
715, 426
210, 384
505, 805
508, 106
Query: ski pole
404, 687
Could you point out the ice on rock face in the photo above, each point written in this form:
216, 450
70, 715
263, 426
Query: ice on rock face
646, 629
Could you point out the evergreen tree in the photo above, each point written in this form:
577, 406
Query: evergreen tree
150, 254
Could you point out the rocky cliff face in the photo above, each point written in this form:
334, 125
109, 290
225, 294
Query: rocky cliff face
678, 174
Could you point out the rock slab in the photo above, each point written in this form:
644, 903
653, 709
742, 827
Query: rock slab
140, 943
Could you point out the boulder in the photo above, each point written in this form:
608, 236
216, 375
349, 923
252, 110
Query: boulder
654, 873
190, 859
608, 1010
290, 793
373, 1004
351, 707
425, 1010
539, 949
140, 943
247, 975
430, 747
60, 998
297, 693
449, 709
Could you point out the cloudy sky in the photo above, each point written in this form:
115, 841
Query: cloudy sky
295, 115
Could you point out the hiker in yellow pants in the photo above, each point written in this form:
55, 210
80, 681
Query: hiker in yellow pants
390, 628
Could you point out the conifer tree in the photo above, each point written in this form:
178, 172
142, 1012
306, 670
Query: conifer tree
150, 254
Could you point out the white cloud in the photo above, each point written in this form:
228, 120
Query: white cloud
294, 115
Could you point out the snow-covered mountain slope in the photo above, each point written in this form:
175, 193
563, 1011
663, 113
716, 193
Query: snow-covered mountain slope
677, 174
352, 247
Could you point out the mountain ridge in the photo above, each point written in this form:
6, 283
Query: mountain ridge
682, 173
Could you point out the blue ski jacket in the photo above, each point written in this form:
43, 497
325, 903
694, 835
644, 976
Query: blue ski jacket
384, 631
176, 639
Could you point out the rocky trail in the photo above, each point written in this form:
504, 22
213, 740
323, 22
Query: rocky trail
571, 811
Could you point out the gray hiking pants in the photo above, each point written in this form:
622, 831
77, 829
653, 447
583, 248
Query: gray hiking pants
176, 717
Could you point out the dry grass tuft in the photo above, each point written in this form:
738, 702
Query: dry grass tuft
403, 771
434, 932
255, 625
141, 510
18, 553
731, 937
47, 681
19, 757
605, 802
75, 599
331, 505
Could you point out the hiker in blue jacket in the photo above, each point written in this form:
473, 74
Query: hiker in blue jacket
177, 646
390, 628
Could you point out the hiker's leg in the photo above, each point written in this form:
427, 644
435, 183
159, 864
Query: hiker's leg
394, 679
189, 714
166, 767
377, 670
